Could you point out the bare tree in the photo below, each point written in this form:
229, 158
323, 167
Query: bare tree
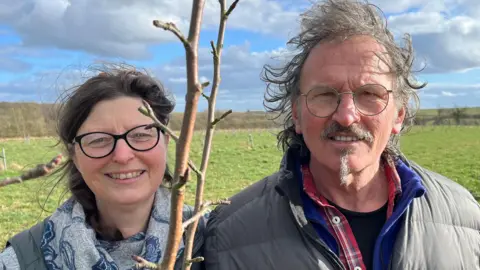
441, 116
458, 114
183, 165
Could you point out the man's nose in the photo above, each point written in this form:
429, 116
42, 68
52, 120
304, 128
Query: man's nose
122, 152
346, 113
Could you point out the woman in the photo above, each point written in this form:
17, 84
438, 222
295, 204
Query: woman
116, 171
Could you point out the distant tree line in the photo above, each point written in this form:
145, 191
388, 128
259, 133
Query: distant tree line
453, 116
38, 120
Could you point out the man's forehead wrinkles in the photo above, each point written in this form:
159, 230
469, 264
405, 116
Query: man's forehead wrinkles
331, 78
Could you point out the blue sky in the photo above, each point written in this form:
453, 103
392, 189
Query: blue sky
47, 46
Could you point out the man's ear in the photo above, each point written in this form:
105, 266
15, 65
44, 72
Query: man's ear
296, 108
398, 121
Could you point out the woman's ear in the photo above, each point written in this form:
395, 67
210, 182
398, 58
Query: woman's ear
166, 138
71, 152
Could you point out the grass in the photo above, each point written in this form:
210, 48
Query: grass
234, 164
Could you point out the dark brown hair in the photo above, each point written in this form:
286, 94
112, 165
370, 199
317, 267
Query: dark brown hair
76, 106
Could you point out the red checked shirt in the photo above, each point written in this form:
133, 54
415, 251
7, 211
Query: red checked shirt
350, 254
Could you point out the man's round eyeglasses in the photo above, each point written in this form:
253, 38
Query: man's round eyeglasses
101, 144
369, 99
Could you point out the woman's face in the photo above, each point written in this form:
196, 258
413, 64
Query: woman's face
125, 176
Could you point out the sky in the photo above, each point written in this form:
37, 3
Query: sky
49, 46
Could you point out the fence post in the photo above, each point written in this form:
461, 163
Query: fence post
4, 157
250, 140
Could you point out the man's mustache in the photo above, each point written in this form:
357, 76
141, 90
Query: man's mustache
354, 129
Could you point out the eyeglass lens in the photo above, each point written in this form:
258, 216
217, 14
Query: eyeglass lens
100, 144
369, 100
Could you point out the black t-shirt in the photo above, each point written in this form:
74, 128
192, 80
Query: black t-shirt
366, 227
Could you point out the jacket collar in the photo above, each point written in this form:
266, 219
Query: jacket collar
411, 175
288, 184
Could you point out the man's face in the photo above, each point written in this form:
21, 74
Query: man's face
346, 66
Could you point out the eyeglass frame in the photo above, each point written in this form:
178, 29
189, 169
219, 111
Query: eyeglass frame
116, 137
389, 91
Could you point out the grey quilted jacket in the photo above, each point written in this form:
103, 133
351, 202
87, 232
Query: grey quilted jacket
265, 227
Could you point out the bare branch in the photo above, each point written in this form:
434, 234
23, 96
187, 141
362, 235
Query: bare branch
231, 8
218, 202
143, 264
205, 84
147, 111
225, 114
194, 90
214, 50
217, 51
195, 217
175, 228
39, 171
194, 260
194, 168
170, 26
204, 209
11, 180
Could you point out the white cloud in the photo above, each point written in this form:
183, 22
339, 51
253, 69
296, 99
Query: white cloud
124, 28
450, 94
241, 70
445, 43
399, 5
178, 80
430, 95
240, 75
13, 65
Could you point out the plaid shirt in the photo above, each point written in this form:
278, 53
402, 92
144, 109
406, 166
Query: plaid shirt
350, 254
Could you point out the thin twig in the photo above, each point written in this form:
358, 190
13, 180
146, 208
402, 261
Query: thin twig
193, 167
205, 84
225, 114
39, 171
147, 111
197, 215
11, 180
194, 260
231, 8
143, 264
170, 26
203, 210
214, 50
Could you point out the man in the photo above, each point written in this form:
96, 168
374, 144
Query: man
345, 197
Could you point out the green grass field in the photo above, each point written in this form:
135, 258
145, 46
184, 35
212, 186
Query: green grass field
234, 164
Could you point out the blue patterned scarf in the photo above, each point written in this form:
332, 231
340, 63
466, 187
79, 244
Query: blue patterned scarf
70, 243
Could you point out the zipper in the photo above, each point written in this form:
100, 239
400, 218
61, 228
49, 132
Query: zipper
329, 255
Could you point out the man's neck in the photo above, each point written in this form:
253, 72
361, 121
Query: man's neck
129, 219
364, 191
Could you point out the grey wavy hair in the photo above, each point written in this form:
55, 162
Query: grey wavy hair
339, 20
